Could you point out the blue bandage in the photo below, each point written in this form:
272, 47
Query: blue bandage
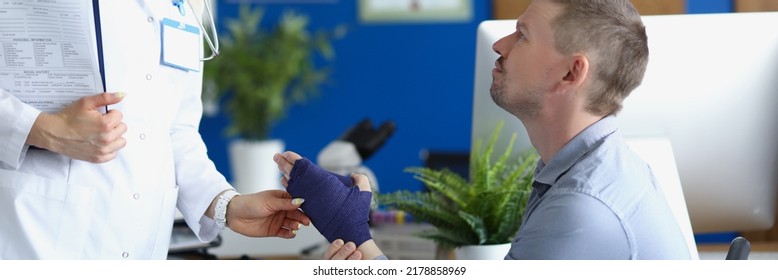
337, 208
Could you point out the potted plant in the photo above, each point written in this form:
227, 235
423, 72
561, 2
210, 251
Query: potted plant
485, 211
258, 74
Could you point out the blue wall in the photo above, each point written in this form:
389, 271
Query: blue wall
709, 6
417, 75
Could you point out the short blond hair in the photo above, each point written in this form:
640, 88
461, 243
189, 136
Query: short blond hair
612, 35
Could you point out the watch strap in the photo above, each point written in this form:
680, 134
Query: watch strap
220, 213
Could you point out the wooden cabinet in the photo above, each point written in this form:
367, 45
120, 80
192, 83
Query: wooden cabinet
756, 5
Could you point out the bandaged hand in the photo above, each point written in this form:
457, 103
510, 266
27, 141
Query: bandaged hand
338, 206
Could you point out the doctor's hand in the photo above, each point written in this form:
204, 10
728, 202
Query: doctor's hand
80, 131
267, 213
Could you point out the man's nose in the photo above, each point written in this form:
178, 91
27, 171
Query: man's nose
497, 47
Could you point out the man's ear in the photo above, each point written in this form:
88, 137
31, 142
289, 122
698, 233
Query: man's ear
577, 72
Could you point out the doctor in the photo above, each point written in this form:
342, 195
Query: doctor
78, 184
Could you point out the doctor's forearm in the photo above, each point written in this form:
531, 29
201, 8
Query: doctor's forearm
41, 134
212, 208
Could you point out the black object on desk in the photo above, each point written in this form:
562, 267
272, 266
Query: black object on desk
739, 249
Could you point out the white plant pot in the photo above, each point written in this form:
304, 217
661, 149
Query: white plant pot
483, 252
253, 168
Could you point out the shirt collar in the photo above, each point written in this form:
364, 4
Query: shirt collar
574, 150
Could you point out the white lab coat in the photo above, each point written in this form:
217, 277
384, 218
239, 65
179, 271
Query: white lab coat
53, 207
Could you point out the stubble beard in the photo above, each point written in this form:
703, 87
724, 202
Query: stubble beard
526, 103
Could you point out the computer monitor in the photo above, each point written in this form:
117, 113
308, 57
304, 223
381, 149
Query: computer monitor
711, 89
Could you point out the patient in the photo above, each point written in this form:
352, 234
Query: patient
564, 73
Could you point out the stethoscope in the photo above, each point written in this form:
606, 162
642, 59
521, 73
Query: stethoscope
214, 47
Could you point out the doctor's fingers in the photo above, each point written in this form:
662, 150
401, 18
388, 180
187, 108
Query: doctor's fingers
113, 117
289, 228
106, 153
93, 102
117, 132
286, 233
292, 224
111, 141
297, 216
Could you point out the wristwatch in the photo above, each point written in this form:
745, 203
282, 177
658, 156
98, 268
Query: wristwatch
220, 213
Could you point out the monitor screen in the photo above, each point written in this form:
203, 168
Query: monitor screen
711, 89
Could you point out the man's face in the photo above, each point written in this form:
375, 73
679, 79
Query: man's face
523, 73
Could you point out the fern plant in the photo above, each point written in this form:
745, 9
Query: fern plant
487, 209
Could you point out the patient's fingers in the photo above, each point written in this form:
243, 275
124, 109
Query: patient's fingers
292, 156
284, 182
332, 249
361, 181
284, 165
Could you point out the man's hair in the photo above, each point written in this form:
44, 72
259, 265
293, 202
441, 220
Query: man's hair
612, 35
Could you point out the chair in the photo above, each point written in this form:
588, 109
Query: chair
739, 249
658, 154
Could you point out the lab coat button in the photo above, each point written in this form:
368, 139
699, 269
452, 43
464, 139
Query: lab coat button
148, 76
136, 196
142, 136
150, 19
125, 255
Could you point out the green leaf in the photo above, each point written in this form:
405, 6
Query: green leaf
476, 224
262, 71
487, 209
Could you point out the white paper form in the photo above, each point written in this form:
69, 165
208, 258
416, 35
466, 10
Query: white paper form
48, 52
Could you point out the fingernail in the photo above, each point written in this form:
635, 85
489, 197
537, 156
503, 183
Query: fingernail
300, 225
294, 232
297, 201
338, 242
119, 94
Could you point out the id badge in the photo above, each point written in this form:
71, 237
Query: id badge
180, 45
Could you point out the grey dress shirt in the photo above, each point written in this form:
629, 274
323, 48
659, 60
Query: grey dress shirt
596, 199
